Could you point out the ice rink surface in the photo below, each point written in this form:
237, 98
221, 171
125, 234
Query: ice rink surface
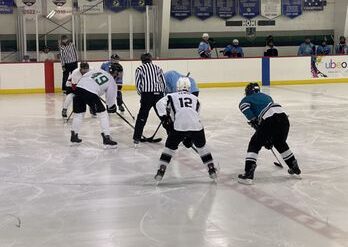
55, 195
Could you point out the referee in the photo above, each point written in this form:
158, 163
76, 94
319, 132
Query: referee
150, 83
68, 58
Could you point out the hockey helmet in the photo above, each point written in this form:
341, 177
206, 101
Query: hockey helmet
115, 58
252, 87
115, 67
84, 67
146, 58
183, 84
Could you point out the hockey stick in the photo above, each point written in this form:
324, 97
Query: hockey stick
67, 120
278, 164
128, 110
144, 139
150, 139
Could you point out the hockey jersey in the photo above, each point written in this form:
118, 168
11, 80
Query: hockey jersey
183, 108
100, 82
172, 78
259, 106
74, 78
106, 65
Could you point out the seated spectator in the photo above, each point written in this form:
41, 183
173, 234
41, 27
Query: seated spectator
268, 39
341, 48
270, 50
46, 55
233, 50
323, 49
204, 49
26, 59
306, 48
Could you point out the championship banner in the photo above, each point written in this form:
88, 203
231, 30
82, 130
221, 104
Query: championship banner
271, 8
313, 5
225, 9
292, 8
203, 9
249, 8
330, 66
116, 5
91, 6
140, 5
6, 6
61, 8
29, 7
180, 9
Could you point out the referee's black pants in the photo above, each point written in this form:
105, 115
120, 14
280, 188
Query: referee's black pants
147, 101
69, 68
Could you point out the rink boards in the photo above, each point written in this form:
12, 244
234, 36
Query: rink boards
41, 77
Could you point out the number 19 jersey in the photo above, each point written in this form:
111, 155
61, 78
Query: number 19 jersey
100, 82
183, 108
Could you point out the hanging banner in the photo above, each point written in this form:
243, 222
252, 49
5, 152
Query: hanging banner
91, 6
271, 8
203, 9
292, 8
29, 7
225, 9
140, 5
116, 5
181, 9
313, 5
249, 8
6, 6
61, 8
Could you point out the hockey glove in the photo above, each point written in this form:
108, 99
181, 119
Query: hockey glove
73, 86
167, 123
268, 144
112, 109
254, 123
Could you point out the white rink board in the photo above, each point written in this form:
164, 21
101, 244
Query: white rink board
290, 68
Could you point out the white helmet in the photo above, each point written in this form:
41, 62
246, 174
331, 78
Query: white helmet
205, 35
183, 84
235, 41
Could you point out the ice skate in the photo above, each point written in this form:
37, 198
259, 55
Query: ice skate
160, 173
121, 108
108, 143
212, 172
248, 177
74, 139
294, 170
64, 113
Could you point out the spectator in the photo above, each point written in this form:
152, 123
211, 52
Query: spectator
306, 48
268, 39
342, 48
233, 50
46, 55
323, 49
204, 48
270, 50
68, 58
26, 59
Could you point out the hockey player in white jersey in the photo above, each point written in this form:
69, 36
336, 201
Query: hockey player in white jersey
91, 86
180, 116
71, 84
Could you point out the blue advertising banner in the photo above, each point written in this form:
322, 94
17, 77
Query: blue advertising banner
225, 9
292, 8
181, 9
116, 5
203, 9
140, 5
249, 8
310, 5
6, 6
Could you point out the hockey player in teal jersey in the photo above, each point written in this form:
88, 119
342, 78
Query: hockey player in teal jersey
272, 128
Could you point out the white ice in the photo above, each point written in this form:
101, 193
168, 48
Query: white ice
55, 195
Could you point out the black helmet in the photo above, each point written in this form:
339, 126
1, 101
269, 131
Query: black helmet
115, 57
252, 87
115, 67
146, 58
84, 65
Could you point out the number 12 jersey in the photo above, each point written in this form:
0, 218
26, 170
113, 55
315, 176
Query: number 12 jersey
183, 109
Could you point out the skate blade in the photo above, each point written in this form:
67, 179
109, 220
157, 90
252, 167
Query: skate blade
75, 144
296, 176
245, 181
110, 146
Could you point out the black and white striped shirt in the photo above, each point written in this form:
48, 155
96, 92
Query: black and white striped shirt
68, 53
149, 78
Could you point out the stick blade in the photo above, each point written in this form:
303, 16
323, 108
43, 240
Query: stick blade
278, 164
151, 140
